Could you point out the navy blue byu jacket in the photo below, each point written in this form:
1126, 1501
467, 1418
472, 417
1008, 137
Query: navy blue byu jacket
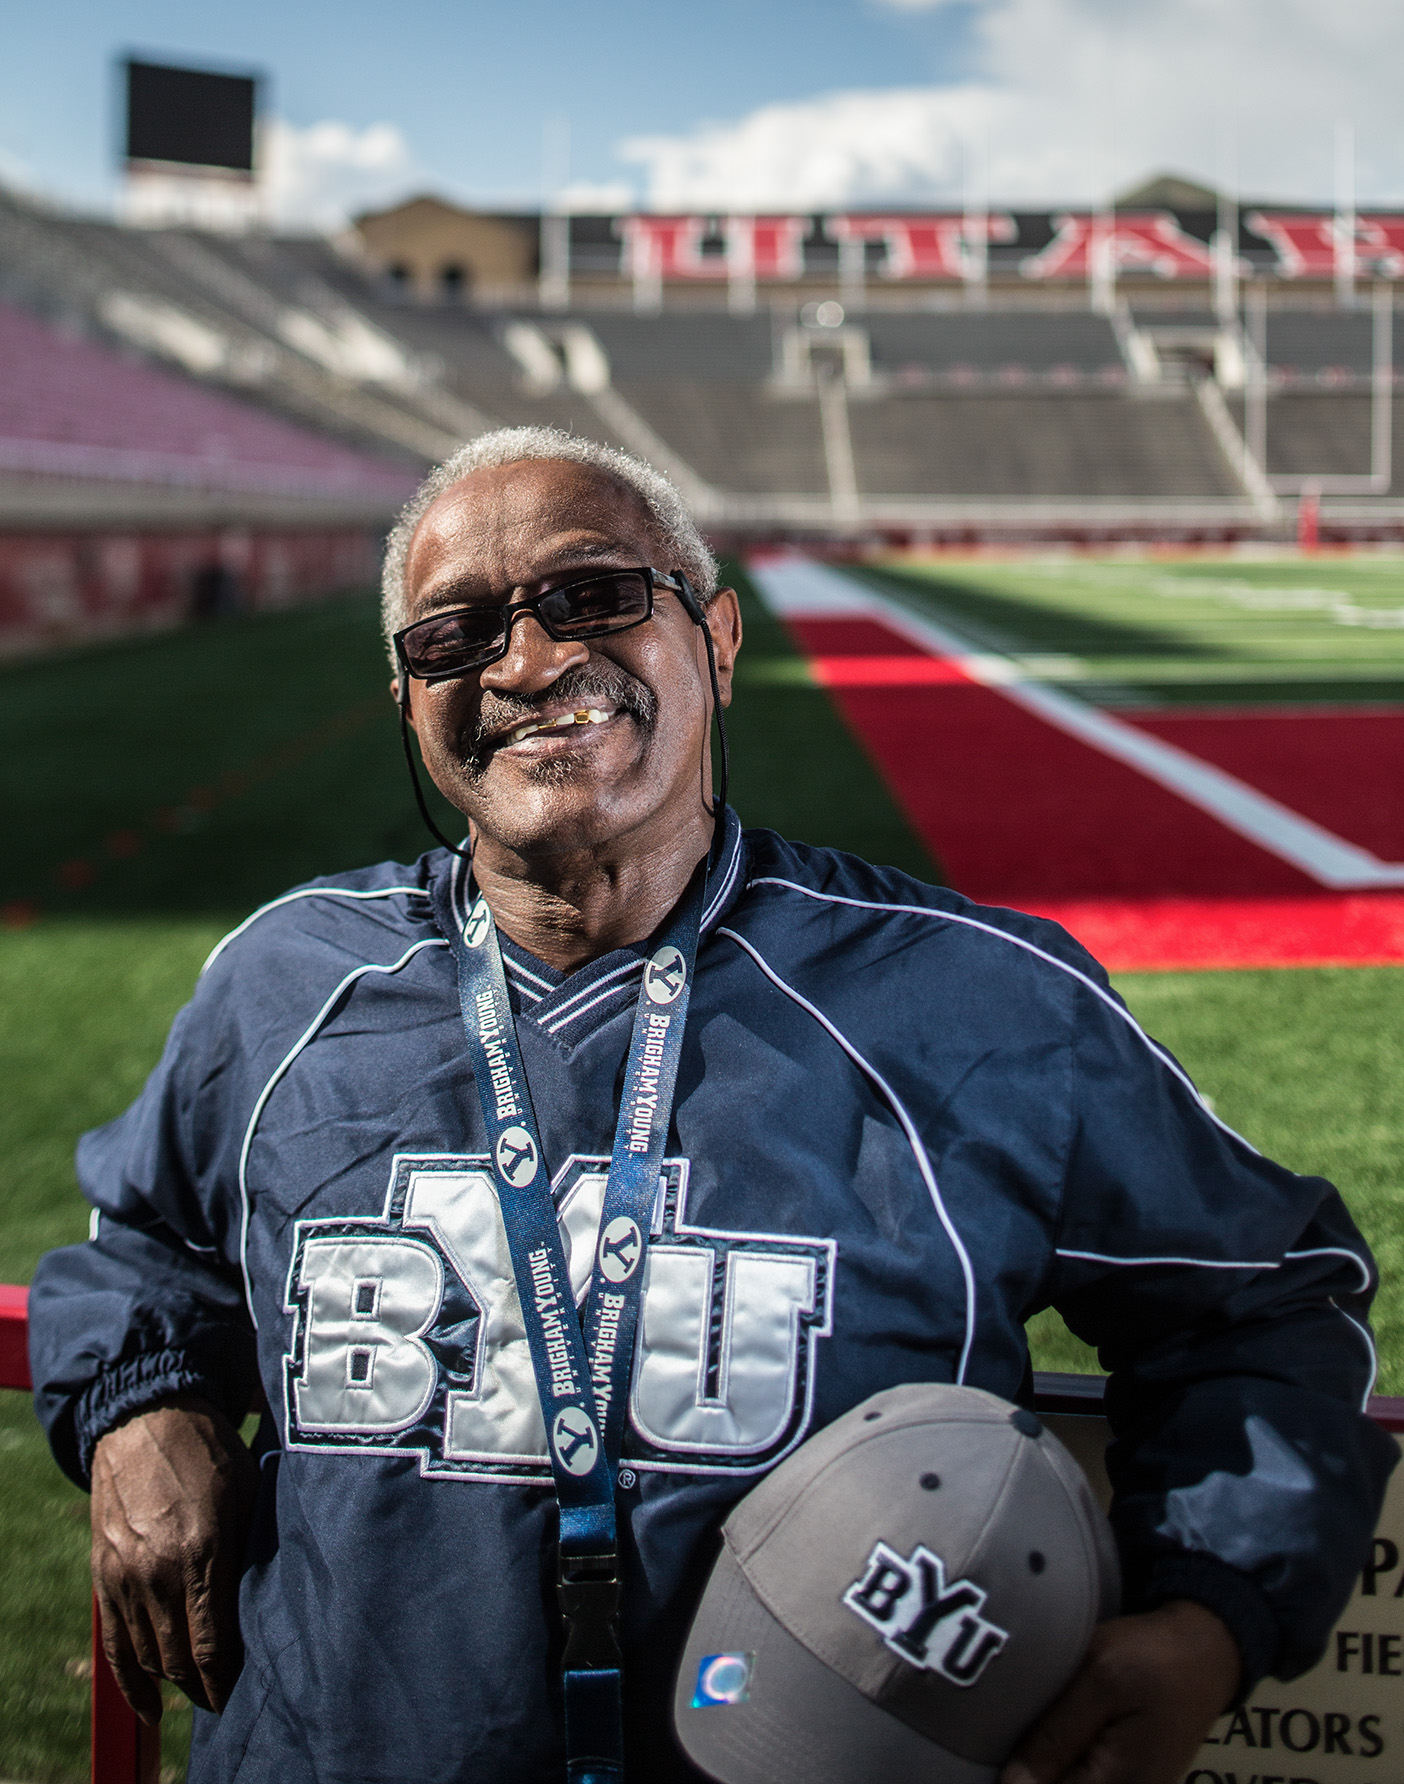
904, 1123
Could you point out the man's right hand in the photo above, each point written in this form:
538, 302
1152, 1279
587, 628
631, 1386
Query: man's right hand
173, 1494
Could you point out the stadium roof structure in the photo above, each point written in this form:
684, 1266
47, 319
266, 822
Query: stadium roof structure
1167, 192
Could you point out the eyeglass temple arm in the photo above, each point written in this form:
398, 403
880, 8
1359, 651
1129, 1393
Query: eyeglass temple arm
687, 595
408, 747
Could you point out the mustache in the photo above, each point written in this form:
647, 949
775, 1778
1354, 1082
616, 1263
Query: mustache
602, 681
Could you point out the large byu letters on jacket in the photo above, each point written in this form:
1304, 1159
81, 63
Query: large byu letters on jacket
408, 1333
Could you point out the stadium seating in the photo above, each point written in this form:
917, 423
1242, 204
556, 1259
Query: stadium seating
72, 406
1314, 434
735, 435
221, 311
1031, 400
1038, 446
698, 349
1011, 346
1321, 348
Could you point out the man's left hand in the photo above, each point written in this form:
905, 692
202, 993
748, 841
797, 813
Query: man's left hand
1143, 1700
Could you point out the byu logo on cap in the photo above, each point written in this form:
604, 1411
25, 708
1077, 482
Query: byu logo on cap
621, 1247
723, 1678
516, 1156
479, 921
575, 1440
920, 1617
664, 975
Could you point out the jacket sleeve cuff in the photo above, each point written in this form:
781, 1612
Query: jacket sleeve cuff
126, 1387
1231, 1595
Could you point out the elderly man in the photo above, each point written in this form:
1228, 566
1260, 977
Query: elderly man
785, 1128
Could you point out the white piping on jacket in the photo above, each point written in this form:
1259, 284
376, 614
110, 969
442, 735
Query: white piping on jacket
524, 990
921, 910
522, 972
908, 1128
1017, 941
723, 891
304, 892
1193, 1263
555, 1023
308, 1035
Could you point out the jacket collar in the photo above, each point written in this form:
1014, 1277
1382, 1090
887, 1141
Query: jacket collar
569, 1006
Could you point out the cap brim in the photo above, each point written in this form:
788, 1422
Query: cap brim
801, 1723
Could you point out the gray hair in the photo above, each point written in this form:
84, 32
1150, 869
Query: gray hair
676, 529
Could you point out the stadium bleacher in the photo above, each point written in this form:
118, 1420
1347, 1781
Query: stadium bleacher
698, 348
1323, 348
1311, 433
735, 435
1013, 346
221, 310
955, 420
1027, 447
74, 407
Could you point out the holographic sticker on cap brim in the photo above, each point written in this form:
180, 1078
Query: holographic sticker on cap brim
723, 1679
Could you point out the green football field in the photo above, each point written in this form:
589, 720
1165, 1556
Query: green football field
155, 791
1182, 630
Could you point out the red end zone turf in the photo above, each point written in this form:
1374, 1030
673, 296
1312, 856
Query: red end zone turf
1023, 814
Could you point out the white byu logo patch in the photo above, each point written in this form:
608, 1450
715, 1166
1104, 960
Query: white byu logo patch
408, 1335
920, 1617
478, 923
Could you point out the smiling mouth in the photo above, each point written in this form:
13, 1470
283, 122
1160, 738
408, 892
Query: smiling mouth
566, 721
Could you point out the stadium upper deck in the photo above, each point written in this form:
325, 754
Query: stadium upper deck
794, 411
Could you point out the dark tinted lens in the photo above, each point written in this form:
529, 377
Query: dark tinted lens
604, 604
439, 646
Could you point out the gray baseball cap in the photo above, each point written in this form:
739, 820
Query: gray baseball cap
898, 1600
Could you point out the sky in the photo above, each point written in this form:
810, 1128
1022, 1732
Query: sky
732, 104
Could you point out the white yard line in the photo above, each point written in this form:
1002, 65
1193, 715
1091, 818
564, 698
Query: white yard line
800, 587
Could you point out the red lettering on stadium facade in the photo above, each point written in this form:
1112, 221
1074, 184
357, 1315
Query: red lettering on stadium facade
1152, 242
920, 247
1305, 245
752, 247
936, 246
1381, 246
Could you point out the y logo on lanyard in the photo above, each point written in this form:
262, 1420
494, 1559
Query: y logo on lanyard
575, 1440
516, 1156
621, 1247
665, 975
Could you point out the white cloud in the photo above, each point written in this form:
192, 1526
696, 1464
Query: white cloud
318, 176
815, 151
1073, 99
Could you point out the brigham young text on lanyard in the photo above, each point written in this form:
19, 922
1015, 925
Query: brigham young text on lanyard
582, 1377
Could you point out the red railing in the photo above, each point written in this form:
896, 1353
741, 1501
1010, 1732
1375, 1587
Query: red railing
126, 1751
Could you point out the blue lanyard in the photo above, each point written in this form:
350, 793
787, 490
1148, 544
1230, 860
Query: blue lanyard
582, 1377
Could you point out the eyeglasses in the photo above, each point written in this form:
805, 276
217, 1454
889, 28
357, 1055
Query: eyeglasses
449, 644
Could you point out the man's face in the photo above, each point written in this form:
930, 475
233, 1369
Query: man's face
502, 535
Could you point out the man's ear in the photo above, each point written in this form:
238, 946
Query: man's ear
395, 696
723, 616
